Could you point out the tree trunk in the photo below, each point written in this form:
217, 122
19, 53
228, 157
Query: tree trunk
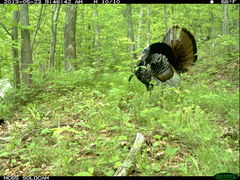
54, 35
1, 60
148, 26
212, 25
16, 65
173, 14
140, 22
195, 25
237, 23
225, 28
237, 17
26, 51
165, 17
212, 34
97, 32
70, 37
37, 26
130, 30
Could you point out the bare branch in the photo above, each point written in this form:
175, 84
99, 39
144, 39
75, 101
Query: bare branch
4, 27
37, 26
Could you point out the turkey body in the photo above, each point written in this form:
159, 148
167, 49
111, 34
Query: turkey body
165, 61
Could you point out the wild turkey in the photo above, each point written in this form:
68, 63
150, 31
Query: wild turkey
164, 61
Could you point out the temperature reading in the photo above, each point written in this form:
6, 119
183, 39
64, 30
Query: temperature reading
224, 1
228, 1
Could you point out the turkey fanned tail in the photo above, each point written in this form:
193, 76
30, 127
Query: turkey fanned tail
164, 61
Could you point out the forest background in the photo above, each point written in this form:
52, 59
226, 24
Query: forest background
71, 110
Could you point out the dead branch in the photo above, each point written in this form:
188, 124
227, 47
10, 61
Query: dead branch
4, 27
37, 26
124, 169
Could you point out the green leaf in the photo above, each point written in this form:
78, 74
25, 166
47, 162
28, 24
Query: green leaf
91, 170
58, 131
30, 28
83, 174
114, 158
122, 138
117, 164
12, 7
157, 136
45, 131
171, 151
4, 154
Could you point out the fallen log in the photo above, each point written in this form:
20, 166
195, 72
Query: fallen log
127, 164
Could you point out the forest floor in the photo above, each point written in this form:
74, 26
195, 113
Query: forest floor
84, 125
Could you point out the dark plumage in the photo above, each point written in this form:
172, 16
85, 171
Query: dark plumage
164, 61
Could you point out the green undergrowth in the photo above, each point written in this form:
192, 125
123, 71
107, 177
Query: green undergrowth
85, 122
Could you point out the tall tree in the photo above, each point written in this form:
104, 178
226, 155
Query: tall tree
237, 17
26, 51
225, 27
54, 23
165, 17
148, 25
14, 37
130, 30
140, 22
212, 24
1, 60
173, 14
16, 65
70, 37
97, 31
37, 27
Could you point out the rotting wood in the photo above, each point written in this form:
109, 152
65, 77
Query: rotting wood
6, 138
124, 169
